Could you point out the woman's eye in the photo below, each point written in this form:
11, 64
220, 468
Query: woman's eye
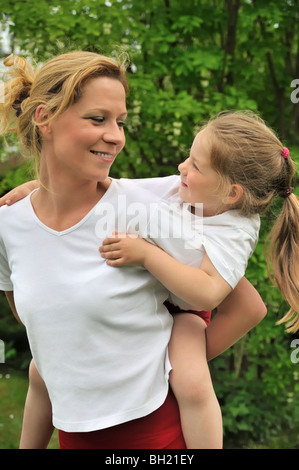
99, 120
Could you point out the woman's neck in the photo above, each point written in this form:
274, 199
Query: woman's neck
63, 209
63, 201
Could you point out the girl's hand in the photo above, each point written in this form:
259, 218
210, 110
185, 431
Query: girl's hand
125, 250
18, 193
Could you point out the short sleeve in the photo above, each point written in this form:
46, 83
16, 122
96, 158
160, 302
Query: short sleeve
230, 248
5, 273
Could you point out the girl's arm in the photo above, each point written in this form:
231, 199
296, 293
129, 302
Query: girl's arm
18, 193
180, 279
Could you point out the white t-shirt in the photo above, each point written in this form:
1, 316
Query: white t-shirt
99, 334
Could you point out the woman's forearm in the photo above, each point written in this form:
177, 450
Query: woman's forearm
241, 311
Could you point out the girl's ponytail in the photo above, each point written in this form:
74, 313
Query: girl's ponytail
16, 91
283, 255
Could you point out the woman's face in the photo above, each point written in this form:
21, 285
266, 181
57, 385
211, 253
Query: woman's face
84, 141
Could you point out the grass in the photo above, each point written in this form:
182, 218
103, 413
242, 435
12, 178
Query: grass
13, 390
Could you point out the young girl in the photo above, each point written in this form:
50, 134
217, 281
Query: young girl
235, 168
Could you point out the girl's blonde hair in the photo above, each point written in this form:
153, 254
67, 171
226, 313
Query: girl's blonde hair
57, 84
245, 151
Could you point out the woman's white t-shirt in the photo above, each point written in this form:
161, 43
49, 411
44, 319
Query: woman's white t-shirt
98, 334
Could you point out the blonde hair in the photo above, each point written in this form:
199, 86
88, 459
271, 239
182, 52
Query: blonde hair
57, 84
245, 151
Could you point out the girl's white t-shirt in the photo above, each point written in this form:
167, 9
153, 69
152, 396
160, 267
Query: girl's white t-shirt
229, 239
99, 335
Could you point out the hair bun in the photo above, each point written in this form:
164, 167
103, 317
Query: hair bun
18, 102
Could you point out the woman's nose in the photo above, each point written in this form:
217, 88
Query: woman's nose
114, 134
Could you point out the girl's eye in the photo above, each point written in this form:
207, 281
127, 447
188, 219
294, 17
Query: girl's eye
121, 123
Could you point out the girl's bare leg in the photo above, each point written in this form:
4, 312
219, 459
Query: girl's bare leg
192, 385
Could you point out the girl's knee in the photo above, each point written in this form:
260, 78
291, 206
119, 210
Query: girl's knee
191, 387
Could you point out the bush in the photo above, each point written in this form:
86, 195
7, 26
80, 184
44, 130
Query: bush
257, 386
13, 334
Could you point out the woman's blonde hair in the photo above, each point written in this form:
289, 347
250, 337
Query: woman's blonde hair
57, 84
245, 151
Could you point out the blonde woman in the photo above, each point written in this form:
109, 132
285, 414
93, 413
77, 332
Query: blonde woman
99, 336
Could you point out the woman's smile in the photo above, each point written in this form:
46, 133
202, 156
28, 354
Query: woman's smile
106, 157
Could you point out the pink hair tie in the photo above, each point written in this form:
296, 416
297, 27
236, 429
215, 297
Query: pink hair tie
285, 153
286, 193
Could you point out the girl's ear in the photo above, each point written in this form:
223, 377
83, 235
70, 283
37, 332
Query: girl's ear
42, 113
235, 194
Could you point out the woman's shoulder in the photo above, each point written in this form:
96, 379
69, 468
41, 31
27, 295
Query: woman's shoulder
15, 212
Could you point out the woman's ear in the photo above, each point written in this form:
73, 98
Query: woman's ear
42, 114
235, 194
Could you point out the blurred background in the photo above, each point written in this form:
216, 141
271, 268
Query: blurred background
188, 61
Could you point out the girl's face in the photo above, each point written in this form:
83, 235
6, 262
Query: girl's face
199, 181
84, 141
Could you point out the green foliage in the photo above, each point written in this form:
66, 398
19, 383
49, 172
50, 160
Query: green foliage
13, 391
257, 386
14, 336
16, 176
190, 60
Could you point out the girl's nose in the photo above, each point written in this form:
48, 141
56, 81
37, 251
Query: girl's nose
182, 168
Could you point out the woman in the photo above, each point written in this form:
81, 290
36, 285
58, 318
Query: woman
98, 336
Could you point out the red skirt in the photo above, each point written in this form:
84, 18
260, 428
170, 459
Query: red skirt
158, 430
